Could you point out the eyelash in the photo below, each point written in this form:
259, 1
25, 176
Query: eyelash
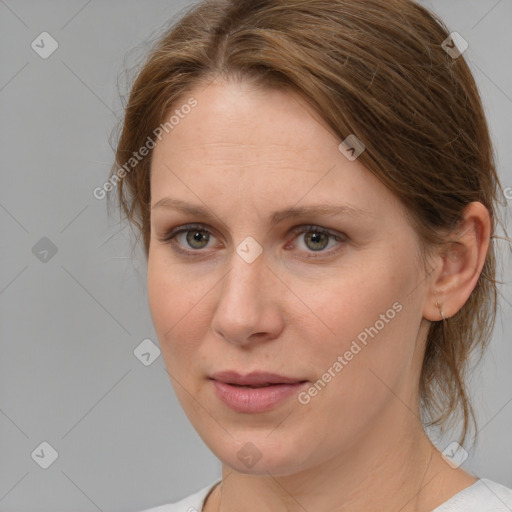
168, 238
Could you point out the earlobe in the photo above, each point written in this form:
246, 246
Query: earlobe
459, 264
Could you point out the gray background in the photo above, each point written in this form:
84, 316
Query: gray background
69, 325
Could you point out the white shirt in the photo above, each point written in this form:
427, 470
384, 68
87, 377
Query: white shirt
483, 496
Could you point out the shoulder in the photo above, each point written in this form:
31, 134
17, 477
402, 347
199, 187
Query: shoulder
483, 496
192, 503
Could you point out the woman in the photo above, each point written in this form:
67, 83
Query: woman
315, 189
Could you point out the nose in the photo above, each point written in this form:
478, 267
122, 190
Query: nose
250, 302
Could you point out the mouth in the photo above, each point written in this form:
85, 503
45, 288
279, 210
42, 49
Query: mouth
254, 379
253, 387
256, 392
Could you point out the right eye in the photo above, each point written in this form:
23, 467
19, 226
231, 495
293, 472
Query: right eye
196, 238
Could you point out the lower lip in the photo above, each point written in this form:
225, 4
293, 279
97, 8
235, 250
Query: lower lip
255, 399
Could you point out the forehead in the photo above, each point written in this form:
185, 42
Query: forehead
244, 141
240, 118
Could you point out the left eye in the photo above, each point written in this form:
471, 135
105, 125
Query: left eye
315, 238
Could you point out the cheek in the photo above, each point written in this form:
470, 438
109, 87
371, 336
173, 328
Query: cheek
177, 310
351, 303
371, 320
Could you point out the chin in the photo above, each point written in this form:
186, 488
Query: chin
259, 457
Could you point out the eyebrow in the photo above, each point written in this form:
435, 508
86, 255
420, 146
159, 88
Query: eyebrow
276, 216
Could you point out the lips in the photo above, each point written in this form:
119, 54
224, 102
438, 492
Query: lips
256, 392
254, 379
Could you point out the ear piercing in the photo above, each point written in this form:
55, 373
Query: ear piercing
440, 310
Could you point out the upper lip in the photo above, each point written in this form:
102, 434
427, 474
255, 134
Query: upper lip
254, 378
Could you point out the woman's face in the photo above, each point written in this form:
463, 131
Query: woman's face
251, 288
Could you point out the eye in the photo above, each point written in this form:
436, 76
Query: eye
196, 237
316, 239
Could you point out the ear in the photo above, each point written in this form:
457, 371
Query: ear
458, 264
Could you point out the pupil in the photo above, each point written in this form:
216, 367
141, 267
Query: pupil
195, 237
315, 238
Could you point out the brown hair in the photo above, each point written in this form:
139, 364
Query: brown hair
373, 68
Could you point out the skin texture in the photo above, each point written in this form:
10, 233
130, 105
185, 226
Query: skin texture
243, 153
